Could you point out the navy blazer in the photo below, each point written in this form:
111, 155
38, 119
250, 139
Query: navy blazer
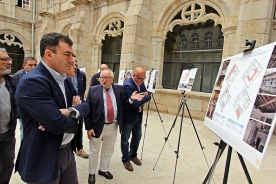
81, 78
96, 118
39, 99
94, 81
132, 114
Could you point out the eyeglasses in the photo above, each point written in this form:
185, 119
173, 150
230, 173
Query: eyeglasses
141, 79
105, 78
6, 59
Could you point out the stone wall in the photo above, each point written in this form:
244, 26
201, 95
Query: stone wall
168, 101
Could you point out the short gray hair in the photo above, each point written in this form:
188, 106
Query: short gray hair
3, 50
111, 72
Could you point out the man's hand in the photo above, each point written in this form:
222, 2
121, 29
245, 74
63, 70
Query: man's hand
40, 127
136, 96
144, 93
65, 112
76, 101
90, 134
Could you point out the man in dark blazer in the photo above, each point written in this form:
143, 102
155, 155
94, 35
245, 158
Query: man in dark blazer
95, 78
79, 83
28, 64
47, 156
132, 118
106, 103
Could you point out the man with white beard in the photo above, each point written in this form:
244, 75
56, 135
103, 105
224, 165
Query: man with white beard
7, 118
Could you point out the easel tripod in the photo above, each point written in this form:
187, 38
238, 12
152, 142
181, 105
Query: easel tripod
147, 121
183, 104
222, 145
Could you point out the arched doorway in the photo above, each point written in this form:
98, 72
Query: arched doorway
15, 50
192, 43
111, 54
112, 45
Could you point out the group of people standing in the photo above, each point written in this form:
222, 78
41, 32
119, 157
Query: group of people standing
50, 103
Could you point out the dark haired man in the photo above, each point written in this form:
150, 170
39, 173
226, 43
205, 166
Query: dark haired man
7, 118
28, 64
47, 156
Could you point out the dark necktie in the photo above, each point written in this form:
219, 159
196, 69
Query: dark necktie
110, 112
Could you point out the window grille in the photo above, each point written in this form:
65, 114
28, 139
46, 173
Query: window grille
52, 2
26, 4
195, 41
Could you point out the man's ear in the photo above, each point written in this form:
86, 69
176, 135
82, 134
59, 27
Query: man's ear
48, 54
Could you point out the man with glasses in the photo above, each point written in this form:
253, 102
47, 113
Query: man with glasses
106, 103
28, 64
7, 118
47, 156
132, 118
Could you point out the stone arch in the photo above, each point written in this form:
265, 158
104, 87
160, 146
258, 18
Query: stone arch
66, 29
165, 21
104, 22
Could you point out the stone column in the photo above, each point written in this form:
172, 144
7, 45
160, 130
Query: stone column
136, 44
79, 33
48, 25
157, 55
229, 34
254, 23
28, 52
96, 56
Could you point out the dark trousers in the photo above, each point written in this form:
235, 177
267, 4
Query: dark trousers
7, 154
130, 151
67, 170
78, 136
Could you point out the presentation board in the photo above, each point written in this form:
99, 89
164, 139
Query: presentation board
124, 75
187, 79
242, 106
150, 81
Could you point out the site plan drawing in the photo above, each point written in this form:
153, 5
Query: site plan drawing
242, 107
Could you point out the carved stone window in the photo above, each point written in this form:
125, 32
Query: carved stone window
114, 28
184, 42
220, 41
208, 39
52, 2
195, 41
10, 39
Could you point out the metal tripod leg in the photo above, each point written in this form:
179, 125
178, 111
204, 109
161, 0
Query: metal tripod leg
145, 130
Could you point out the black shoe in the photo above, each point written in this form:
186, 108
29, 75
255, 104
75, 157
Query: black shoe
91, 179
107, 174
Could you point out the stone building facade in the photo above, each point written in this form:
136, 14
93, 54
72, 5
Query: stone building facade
167, 35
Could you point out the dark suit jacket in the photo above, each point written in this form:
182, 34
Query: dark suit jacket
10, 85
94, 81
96, 117
81, 78
39, 99
131, 114
16, 77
